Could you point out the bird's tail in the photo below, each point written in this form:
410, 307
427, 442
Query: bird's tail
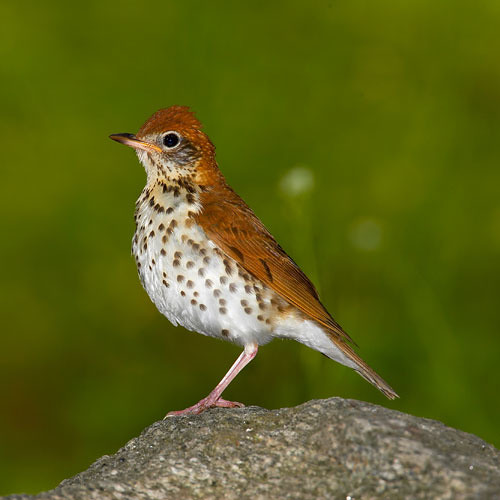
333, 343
366, 372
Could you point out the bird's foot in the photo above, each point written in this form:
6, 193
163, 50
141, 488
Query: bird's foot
223, 403
203, 405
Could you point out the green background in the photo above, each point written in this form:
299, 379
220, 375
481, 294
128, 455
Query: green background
388, 110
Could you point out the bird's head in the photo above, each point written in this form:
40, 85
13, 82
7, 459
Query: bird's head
171, 144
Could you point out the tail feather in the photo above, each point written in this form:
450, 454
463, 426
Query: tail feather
333, 346
367, 373
378, 382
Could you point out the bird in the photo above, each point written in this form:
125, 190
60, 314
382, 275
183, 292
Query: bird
209, 264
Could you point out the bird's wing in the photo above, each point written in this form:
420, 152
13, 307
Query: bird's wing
236, 230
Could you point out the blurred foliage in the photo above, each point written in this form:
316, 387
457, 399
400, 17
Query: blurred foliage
364, 134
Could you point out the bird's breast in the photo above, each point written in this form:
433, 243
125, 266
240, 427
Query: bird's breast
192, 282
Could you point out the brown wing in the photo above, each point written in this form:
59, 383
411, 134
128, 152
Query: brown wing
231, 224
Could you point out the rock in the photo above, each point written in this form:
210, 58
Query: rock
332, 448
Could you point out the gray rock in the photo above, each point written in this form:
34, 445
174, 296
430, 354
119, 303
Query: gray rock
333, 448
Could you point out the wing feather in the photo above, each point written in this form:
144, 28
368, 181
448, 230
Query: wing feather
237, 231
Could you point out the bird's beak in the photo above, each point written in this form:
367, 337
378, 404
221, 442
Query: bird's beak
133, 142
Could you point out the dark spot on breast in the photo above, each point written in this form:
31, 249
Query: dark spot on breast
189, 284
177, 255
262, 306
169, 210
222, 302
203, 307
161, 227
190, 198
242, 274
222, 310
248, 310
201, 272
176, 263
244, 303
223, 280
180, 278
248, 289
196, 247
189, 264
225, 333
152, 201
195, 294
209, 283
260, 317
165, 283
164, 239
217, 293
151, 234
206, 260
233, 288
194, 302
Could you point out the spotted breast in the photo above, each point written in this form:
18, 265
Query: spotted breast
189, 279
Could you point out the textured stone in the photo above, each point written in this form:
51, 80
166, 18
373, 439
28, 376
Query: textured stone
332, 448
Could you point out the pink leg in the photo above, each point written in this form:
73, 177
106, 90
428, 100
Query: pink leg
214, 398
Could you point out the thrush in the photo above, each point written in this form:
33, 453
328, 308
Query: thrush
209, 264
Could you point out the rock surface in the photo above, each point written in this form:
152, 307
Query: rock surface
331, 448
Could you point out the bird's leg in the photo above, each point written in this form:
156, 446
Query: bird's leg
214, 398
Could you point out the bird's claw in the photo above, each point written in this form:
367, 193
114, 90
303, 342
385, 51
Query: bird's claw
203, 405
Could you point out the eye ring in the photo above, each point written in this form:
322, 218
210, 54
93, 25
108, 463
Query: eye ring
171, 139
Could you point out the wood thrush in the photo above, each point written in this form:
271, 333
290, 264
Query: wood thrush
209, 264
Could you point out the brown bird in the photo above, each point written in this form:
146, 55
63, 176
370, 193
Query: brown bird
209, 264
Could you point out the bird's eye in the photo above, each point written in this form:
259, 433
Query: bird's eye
171, 139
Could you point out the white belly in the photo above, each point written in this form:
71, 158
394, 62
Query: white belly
187, 279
